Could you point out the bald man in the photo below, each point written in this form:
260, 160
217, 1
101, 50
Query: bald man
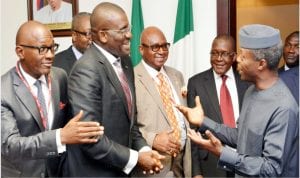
102, 84
153, 119
35, 107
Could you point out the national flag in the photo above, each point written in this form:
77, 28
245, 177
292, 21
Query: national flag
137, 26
182, 51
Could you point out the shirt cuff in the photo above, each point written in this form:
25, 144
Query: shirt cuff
228, 159
133, 159
60, 147
145, 148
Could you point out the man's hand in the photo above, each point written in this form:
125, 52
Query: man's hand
212, 144
150, 162
165, 142
194, 115
76, 132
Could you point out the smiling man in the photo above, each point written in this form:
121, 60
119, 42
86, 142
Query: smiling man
163, 127
207, 85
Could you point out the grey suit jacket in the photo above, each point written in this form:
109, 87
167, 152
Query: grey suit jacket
95, 88
25, 145
203, 85
65, 60
152, 117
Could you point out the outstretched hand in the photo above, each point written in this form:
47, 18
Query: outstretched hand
194, 115
78, 132
212, 144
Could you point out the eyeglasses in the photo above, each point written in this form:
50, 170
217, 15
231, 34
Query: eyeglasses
121, 31
43, 49
86, 34
157, 47
223, 54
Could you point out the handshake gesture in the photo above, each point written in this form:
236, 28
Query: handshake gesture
150, 162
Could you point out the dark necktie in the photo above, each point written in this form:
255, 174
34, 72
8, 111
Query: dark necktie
40, 97
226, 104
125, 86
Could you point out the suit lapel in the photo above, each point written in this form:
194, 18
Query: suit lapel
211, 90
113, 77
150, 85
55, 99
27, 99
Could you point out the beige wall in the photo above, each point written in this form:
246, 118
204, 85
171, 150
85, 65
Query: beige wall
281, 14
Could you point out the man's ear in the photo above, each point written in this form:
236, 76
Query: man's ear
141, 49
102, 36
20, 52
262, 64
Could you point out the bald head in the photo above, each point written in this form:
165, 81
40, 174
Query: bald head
103, 14
152, 34
31, 32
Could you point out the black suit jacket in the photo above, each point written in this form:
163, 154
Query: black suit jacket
65, 60
26, 148
203, 85
95, 88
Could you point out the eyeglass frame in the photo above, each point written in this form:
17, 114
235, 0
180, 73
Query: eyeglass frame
158, 46
86, 34
223, 54
53, 48
120, 31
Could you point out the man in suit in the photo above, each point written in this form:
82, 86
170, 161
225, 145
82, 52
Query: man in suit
291, 79
207, 85
81, 40
32, 137
290, 52
102, 84
267, 136
153, 119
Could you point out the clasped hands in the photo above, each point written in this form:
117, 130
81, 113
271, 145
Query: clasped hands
150, 161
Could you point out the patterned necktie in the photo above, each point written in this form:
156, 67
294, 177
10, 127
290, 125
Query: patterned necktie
125, 86
40, 97
226, 104
167, 99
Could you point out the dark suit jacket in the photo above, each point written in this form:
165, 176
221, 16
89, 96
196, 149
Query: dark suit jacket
291, 79
25, 145
95, 88
203, 85
65, 60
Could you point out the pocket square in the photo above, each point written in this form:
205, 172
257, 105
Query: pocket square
61, 105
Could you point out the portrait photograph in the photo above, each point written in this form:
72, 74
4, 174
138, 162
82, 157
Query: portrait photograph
56, 14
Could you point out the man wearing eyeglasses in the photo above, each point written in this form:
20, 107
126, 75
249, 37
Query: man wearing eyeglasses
207, 85
35, 109
102, 83
158, 89
81, 40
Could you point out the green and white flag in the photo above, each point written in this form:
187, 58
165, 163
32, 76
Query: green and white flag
182, 50
137, 26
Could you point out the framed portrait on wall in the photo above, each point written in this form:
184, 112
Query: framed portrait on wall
56, 14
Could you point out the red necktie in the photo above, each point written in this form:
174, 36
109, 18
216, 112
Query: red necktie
125, 86
226, 104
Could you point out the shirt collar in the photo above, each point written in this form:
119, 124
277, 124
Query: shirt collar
111, 58
153, 72
77, 53
229, 74
31, 80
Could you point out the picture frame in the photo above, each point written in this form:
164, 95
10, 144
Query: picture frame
58, 22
